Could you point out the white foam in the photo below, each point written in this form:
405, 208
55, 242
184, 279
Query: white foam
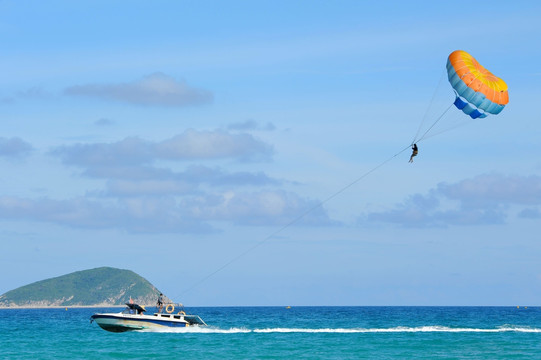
198, 330
399, 329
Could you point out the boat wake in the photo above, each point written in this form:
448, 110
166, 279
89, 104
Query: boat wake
398, 329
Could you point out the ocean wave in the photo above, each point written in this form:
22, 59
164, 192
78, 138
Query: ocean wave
398, 329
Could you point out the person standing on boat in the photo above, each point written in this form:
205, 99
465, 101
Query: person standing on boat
159, 304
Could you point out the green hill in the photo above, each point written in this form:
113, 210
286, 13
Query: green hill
103, 286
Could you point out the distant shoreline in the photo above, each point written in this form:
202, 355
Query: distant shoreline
523, 307
64, 307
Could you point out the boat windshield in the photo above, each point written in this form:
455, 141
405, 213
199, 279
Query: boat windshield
128, 311
133, 309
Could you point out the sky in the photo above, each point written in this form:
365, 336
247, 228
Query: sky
256, 152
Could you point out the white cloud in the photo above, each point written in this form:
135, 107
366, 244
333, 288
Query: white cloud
265, 207
484, 199
14, 147
104, 122
530, 213
190, 145
165, 214
157, 215
141, 197
488, 189
138, 196
152, 181
129, 151
137, 188
193, 144
156, 89
251, 125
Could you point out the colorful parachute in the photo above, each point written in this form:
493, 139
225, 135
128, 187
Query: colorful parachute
477, 90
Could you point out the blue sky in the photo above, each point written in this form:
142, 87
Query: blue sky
171, 137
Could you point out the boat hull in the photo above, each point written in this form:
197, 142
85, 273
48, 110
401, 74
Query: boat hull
128, 322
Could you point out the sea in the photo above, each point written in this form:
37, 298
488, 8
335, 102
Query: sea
283, 333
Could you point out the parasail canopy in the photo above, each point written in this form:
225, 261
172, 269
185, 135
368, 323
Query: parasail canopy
478, 91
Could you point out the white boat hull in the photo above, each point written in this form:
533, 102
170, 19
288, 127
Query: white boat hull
133, 318
129, 322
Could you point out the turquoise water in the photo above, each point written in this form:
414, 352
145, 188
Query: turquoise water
280, 333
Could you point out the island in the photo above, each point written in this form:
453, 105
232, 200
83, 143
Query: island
99, 287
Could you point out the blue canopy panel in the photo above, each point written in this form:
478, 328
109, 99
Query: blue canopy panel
468, 109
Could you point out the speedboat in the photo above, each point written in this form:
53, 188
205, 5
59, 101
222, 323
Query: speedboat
134, 318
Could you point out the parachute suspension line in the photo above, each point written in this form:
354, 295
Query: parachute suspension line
292, 222
435, 122
463, 123
428, 109
417, 139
